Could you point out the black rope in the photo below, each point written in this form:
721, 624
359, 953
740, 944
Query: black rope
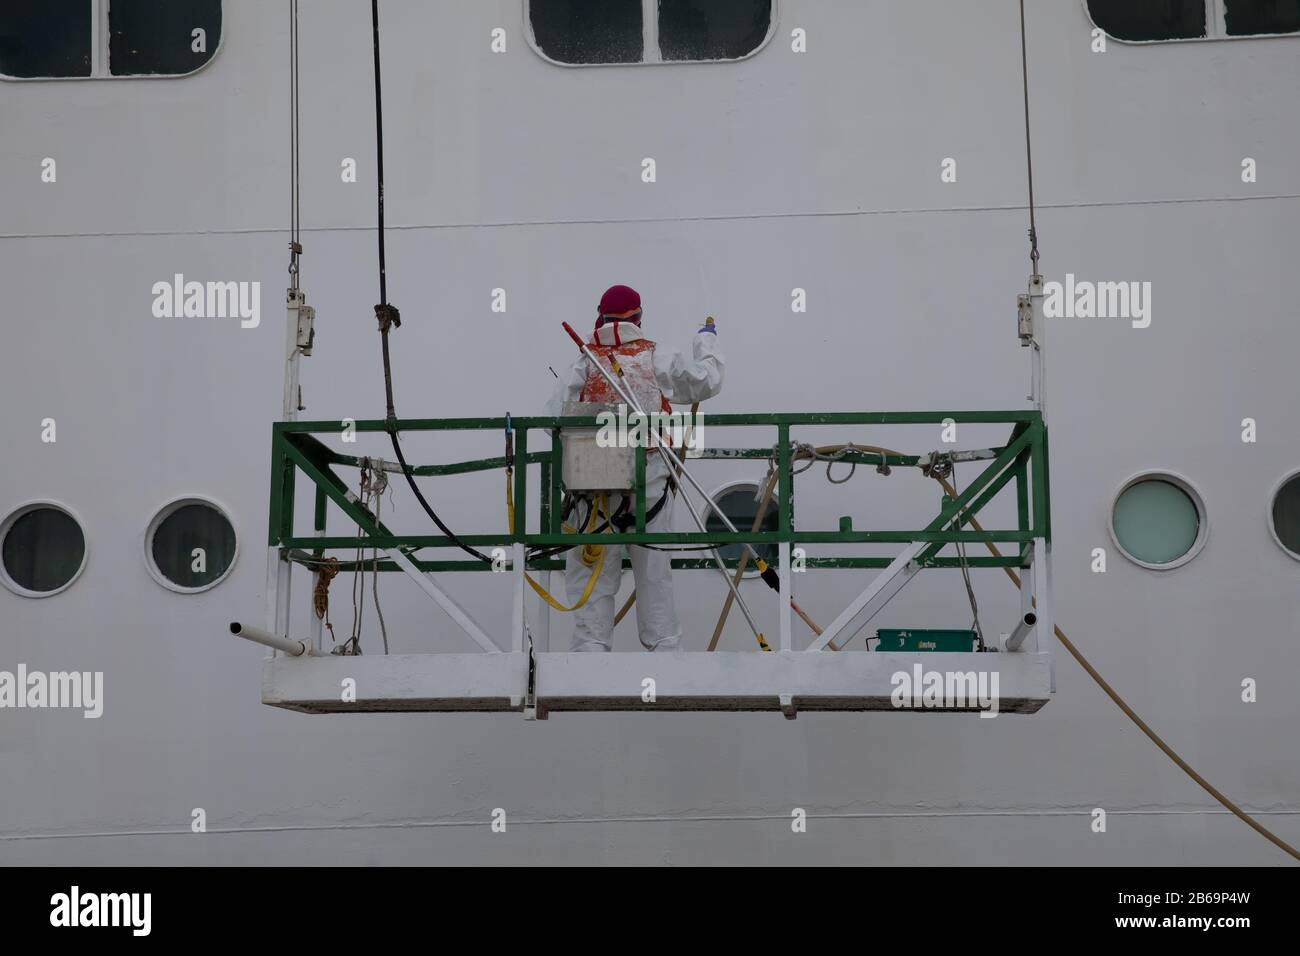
388, 315
379, 154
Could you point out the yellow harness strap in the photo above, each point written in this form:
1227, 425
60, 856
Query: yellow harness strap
596, 553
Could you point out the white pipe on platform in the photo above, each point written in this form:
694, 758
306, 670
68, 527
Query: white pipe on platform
1025, 625
259, 636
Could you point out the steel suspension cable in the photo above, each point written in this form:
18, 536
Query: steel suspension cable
1029, 149
295, 244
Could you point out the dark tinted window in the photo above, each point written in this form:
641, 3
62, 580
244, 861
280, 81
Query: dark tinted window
1244, 17
43, 549
741, 506
45, 37
1150, 19
193, 546
712, 29
1286, 515
157, 36
588, 31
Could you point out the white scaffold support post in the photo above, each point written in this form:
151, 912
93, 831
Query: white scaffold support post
296, 301
297, 341
1042, 568
517, 621
1046, 624
787, 594
543, 635
317, 622
278, 579
1015, 640
1037, 341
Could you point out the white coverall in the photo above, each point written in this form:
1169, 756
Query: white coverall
681, 381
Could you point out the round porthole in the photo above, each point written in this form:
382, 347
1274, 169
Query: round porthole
190, 545
1158, 521
739, 500
1284, 514
42, 549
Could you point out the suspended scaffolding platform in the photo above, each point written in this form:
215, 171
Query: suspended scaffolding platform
789, 682
516, 671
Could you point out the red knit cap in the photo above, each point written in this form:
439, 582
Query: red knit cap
619, 302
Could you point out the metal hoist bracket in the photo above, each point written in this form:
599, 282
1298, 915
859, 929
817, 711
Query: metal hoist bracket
1027, 324
306, 328
1025, 319
300, 335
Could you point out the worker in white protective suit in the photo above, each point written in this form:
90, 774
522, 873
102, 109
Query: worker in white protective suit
656, 376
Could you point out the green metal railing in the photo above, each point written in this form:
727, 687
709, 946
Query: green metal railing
1023, 459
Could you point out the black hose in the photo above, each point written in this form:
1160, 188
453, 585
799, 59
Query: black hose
379, 153
388, 315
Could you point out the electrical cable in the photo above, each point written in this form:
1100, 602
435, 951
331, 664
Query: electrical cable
388, 315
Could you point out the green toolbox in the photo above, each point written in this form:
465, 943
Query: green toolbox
917, 639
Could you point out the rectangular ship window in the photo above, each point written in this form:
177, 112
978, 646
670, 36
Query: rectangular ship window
1150, 19
1250, 17
45, 38
588, 31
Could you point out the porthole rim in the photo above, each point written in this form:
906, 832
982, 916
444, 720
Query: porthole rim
1268, 512
165, 511
26, 508
751, 571
1183, 484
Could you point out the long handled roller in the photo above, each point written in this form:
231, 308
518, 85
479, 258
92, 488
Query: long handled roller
674, 465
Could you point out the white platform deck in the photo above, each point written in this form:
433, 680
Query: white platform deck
721, 681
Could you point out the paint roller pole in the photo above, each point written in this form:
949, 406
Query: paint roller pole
673, 464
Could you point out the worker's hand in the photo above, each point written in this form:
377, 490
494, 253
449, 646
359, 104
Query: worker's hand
709, 326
